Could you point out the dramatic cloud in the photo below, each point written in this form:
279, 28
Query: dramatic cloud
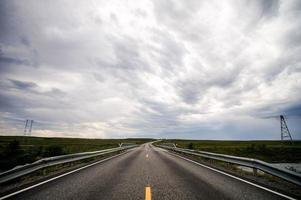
151, 68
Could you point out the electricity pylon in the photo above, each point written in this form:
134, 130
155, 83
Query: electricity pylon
285, 133
28, 127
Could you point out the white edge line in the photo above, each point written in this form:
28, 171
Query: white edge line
62, 175
235, 177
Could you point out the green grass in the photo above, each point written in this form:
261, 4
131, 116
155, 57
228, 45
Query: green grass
19, 150
269, 151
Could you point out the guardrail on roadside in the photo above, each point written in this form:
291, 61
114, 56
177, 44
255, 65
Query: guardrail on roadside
287, 175
126, 144
51, 161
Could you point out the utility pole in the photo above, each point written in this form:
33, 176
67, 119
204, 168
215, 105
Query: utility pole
285, 133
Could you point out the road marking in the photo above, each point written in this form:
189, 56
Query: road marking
237, 178
62, 175
148, 194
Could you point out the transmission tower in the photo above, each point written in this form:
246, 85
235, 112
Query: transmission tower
28, 127
285, 133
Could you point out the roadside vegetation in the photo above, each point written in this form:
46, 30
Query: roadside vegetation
18, 150
269, 151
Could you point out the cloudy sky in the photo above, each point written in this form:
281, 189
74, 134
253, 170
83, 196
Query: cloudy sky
151, 68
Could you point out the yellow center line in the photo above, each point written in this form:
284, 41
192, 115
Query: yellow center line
148, 194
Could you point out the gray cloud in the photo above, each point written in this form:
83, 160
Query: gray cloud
269, 7
6, 61
294, 110
23, 85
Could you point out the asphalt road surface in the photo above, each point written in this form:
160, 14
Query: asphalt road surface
146, 172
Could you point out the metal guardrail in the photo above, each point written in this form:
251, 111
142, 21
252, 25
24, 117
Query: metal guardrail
126, 144
287, 175
51, 161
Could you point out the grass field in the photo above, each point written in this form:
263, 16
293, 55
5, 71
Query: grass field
270, 151
18, 150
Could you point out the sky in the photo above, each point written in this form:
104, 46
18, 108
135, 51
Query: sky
188, 69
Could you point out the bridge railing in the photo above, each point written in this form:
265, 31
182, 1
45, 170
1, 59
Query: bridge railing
26, 169
287, 175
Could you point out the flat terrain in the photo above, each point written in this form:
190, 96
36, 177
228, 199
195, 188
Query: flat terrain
128, 175
16, 150
269, 151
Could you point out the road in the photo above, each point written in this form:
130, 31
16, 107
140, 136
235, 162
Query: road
146, 172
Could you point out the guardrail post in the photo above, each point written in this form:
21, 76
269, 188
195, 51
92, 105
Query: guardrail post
43, 172
255, 172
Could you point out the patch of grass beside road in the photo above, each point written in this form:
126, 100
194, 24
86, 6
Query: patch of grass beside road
269, 151
18, 150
